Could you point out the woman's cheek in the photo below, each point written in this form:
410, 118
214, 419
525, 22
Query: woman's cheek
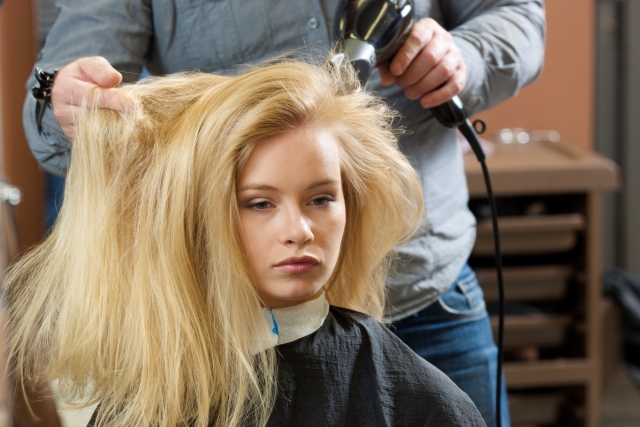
335, 227
253, 236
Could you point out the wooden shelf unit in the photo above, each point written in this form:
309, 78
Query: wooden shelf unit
551, 236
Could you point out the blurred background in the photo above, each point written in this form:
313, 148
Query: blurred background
566, 170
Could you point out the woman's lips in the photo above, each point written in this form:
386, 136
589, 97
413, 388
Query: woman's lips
297, 264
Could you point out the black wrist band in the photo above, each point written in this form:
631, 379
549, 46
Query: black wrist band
42, 94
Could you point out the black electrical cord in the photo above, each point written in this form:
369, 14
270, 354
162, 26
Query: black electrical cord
469, 132
498, 257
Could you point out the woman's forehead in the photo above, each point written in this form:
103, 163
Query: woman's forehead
300, 156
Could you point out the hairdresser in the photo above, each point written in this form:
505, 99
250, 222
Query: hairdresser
483, 50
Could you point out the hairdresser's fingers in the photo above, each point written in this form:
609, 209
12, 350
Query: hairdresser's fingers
420, 35
451, 88
431, 55
66, 119
74, 92
63, 95
67, 93
114, 99
437, 76
386, 77
111, 98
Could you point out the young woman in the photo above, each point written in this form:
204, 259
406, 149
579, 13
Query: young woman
220, 258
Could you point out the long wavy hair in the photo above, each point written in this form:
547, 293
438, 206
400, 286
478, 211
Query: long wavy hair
141, 297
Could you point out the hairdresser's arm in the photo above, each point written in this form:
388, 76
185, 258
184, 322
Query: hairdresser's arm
485, 52
118, 30
502, 42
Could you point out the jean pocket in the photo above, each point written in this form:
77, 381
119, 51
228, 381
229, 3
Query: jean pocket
464, 300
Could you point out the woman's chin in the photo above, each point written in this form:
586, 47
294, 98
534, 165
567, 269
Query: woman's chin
293, 297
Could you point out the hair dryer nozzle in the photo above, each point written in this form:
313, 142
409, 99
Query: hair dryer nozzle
371, 31
361, 55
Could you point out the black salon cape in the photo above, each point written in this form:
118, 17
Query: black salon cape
355, 372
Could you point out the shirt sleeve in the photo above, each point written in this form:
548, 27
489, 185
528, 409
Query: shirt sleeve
119, 30
502, 43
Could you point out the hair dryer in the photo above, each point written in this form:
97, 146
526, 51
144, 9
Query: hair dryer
370, 32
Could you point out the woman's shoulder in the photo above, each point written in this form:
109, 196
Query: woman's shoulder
348, 316
357, 325
422, 390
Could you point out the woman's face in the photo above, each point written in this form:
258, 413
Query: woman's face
292, 214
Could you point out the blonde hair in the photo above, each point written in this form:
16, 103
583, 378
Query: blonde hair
141, 295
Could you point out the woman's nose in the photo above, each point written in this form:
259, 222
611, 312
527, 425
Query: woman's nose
295, 227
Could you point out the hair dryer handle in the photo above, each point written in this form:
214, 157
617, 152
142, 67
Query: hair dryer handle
451, 114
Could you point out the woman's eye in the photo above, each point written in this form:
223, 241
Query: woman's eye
320, 201
260, 206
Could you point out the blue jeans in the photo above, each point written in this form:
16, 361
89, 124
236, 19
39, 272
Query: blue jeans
454, 334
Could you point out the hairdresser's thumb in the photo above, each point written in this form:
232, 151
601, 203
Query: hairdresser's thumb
109, 79
97, 70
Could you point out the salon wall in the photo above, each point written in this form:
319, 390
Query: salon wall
17, 55
562, 99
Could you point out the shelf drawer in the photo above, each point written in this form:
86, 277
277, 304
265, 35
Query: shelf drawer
538, 283
539, 330
535, 408
527, 235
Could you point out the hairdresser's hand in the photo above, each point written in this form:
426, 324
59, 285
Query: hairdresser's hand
429, 66
73, 82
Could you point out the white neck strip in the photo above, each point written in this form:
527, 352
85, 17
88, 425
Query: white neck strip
291, 323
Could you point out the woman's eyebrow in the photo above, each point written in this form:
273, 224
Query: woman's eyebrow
315, 184
258, 187
321, 182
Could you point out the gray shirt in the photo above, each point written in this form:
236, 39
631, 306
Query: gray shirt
502, 42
